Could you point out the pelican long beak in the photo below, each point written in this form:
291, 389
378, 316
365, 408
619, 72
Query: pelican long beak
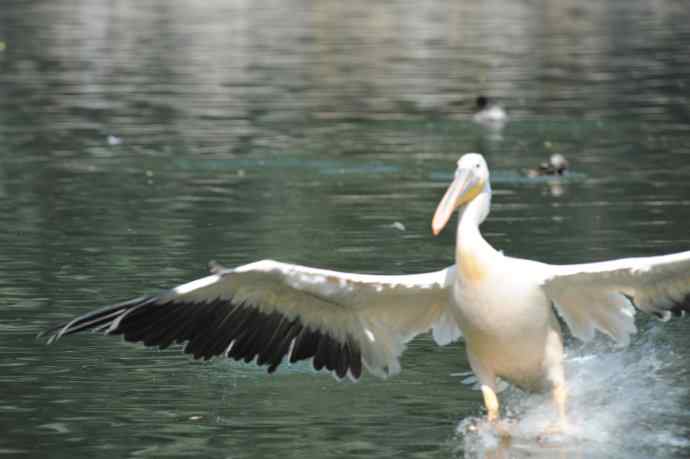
464, 188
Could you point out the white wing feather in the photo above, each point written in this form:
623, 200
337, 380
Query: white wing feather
381, 313
603, 296
269, 310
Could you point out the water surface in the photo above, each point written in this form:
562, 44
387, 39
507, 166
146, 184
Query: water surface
139, 141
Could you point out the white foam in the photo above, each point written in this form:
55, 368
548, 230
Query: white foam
623, 403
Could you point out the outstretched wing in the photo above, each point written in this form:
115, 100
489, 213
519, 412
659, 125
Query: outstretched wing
269, 310
603, 296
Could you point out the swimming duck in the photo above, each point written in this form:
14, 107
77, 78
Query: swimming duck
488, 113
557, 165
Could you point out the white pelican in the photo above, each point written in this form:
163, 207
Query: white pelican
504, 307
489, 114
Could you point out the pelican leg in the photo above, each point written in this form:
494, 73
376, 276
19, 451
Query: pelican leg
491, 403
560, 398
487, 383
500, 426
556, 376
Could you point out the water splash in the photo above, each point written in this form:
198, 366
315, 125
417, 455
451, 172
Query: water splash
630, 403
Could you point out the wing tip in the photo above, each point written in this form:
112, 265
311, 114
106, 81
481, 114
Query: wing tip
101, 319
268, 339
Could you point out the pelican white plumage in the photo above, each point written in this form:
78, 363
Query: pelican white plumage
503, 307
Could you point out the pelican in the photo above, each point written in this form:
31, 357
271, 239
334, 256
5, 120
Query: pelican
504, 308
489, 114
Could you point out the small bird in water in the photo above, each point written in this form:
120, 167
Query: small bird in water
489, 114
557, 165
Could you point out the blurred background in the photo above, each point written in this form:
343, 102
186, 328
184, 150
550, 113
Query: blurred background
139, 140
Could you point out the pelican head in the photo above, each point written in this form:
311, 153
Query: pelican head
482, 102
471, 179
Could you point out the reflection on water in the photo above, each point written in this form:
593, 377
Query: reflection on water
140, 140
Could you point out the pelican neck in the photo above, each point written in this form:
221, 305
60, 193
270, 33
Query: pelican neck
468, 237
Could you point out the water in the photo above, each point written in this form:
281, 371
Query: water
618, 401
139, 141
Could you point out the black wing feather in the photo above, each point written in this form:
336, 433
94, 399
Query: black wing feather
209, 328
283, 347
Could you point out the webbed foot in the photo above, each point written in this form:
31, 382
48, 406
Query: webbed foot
553, 433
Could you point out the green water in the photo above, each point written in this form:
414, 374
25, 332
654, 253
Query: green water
139, 140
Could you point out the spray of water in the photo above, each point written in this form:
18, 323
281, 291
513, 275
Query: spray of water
630, 403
